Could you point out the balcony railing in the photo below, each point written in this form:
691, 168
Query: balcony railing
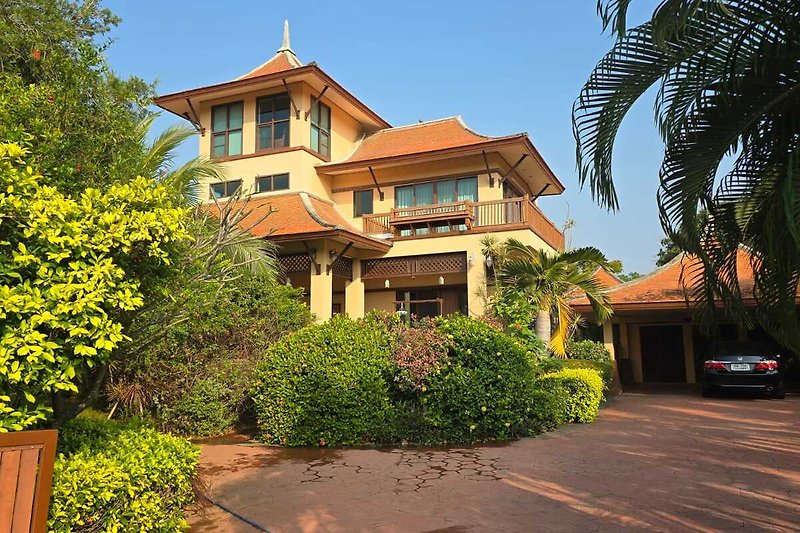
459, 217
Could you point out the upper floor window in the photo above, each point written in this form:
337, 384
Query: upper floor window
225, 188
320, 128
278, 182
362, 203
272, 122
437, 192
226, 130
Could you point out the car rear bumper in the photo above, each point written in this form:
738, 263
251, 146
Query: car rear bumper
743, 381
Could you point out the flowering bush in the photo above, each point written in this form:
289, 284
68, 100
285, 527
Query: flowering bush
417, 352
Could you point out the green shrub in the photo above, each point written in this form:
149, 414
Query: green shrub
588, 351
548, 409
115, 477
325, 385
582, 387
482, 391
604, 369
208, 409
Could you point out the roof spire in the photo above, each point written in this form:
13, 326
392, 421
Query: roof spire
285, 45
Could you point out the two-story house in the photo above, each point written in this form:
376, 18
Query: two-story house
367, 215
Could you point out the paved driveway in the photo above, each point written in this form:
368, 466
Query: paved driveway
651, 462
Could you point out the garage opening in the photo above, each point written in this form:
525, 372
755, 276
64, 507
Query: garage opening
662, 354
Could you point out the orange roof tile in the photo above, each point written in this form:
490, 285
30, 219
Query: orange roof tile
297, 215
278, 63
668, 284
606, 278
416, 138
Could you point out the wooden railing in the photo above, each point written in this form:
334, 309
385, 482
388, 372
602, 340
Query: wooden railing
495, 215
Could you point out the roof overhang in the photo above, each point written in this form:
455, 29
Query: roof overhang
342, 236
533, 170
181, 103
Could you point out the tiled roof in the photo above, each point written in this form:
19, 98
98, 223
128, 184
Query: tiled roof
296, 215
278, 63
416, 138
606, 278
667, 284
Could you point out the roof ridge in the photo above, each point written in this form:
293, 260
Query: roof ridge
309, 207
421, 123
650, 274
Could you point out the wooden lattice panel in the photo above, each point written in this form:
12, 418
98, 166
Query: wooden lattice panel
441, 263
343, 268
421, 264
386, 268
295, 263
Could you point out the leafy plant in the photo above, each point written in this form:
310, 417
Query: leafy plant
114, 477
482, 392
544, 280
583, 389
326, 384
727, 76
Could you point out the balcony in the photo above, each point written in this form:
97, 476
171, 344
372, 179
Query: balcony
465, 217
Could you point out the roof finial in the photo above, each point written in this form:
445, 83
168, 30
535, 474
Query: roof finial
285, 45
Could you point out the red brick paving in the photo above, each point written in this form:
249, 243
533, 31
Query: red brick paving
651, 462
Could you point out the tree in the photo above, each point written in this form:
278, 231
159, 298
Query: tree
728, 80
667, 252
629, 276
544, 280
59, 98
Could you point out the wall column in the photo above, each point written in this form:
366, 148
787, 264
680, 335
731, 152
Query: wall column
688, 352
354, 293
608, 343
322, 285
476, 285
636, 353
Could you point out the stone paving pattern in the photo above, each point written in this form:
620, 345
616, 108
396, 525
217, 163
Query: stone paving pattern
651, 462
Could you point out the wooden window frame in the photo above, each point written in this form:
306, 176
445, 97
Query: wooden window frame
227, 131
316, 101
356, 214
435, 192
259, 125
271, 178
227, 184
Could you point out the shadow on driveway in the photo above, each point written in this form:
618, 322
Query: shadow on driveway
651, 462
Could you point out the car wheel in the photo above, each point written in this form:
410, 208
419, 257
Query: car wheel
779, 393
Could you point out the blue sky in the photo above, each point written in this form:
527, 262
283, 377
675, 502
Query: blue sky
505, 67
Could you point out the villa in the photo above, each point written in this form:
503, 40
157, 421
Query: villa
367, 215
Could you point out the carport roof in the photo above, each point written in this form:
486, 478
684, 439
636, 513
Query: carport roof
667, 286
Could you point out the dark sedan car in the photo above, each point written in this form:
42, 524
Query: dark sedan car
743, 366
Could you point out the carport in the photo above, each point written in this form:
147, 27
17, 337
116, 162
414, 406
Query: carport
652, 334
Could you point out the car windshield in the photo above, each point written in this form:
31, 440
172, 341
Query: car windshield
732, 351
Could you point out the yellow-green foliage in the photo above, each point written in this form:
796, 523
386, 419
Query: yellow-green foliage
113, 477
582, 388
69, 267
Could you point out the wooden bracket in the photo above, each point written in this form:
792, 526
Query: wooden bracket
513, 168
335, 256
375, 180
312, 255
488, 170
194, 119
536, 197
294, 106
318, 98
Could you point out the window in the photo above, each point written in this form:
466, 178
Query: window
320, 128
225, 188
362, 203
272, 122
278, 182
226, 128
437, 192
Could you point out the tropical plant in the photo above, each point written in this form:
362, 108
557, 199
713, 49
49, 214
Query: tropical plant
727, 75
546, 280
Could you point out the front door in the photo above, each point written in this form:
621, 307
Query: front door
662, 354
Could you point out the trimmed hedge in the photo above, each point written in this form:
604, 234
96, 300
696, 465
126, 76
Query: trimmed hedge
325, 385
116, 477
604, 369
483, 390
583, 389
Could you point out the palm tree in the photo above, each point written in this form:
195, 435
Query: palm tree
548, 281
727, 75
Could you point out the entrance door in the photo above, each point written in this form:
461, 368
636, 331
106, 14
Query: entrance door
662, 354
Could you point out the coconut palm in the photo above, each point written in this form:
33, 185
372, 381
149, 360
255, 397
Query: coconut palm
727, 75
548, 280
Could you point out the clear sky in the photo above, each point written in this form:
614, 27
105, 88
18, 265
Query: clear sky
505, 67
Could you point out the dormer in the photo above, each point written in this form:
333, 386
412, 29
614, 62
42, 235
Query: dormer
281, 105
